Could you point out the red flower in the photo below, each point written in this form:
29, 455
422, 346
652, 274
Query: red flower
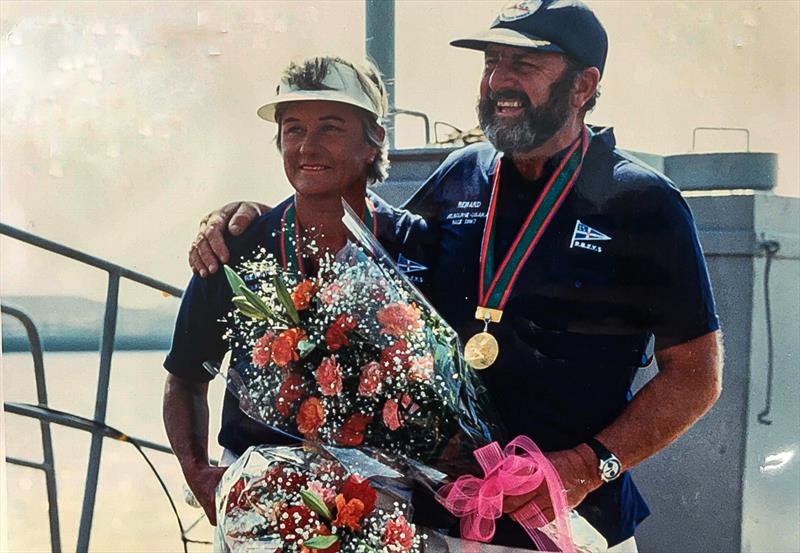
290, 391
261, 350
284, 348
397, 357
329, 377
398, 319
292, 519
398, 535
391, 416
352, 431
371, 379
235, 497
421, 368
336, 335
283, 478
359, 488
310, 417
303, 294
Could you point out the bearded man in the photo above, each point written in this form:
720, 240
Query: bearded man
581, 263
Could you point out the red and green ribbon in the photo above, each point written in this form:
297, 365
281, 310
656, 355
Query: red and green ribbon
496, 283
290, 236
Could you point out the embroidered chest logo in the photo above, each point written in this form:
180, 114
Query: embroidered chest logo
466, 213
586, 237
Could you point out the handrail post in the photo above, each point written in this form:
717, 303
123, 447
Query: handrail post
101, 403
49, 465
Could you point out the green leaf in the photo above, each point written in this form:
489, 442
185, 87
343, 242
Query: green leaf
316, 504
234, 280
286, 299
258, 303
305, 347
321, 542
246, 309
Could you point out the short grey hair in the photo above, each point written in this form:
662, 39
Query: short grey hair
309, 74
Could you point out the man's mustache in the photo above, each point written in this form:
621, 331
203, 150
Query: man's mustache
510, 95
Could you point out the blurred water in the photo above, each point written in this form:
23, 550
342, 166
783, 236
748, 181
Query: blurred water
132, 512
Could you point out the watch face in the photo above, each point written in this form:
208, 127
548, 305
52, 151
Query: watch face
610, 469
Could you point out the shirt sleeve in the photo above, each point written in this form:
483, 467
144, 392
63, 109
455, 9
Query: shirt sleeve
682, 302
198, 328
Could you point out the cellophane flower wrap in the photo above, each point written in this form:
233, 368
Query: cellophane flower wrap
305, 499
353, 356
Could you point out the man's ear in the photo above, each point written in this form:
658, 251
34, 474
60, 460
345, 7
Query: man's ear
585, 86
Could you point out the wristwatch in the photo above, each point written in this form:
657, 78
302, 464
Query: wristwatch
610, 465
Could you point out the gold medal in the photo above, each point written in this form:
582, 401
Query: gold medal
481, 350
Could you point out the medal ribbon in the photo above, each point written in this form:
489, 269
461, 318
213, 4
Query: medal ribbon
290, 236
496, 285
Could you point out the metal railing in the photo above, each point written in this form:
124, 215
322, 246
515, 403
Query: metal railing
97, 427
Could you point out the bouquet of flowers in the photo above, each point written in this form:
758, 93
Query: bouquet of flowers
353, 356
305, 499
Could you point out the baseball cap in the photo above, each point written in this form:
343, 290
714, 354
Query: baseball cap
341, 84
562, 26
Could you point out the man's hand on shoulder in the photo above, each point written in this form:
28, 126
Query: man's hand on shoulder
203, 482
208, 250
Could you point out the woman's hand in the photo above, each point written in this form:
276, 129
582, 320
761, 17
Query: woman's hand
208, 249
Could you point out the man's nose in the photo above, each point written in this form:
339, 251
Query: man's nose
500, 78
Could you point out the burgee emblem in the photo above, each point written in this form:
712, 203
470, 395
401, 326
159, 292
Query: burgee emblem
584, 237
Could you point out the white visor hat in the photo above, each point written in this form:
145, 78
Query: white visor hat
341, 84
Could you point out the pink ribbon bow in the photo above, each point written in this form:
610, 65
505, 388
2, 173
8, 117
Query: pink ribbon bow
478, 502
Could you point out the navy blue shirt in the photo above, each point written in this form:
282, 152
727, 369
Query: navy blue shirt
206, 301
618, 273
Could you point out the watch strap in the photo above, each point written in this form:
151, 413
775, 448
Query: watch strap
599, 449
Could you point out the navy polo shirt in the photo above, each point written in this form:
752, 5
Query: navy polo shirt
206, 301
618, 273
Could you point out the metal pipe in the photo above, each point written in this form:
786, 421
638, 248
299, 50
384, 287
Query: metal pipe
48, 466
78, 255
101, 403
79, 423
379, 39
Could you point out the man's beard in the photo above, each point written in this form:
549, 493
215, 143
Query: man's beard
535, 126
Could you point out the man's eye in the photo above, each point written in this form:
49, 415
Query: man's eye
293, 130
331, 128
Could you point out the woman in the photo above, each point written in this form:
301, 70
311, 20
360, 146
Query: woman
328, 112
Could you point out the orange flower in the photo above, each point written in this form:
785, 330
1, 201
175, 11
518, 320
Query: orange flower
303, 294
310, 417
284, 348
398, 319
349, 512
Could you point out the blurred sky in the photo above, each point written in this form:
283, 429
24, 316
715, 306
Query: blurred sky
122, 123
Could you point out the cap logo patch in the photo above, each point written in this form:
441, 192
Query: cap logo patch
519, 9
